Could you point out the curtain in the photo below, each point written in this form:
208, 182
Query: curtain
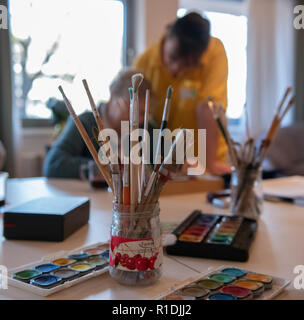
270, 59
7, 116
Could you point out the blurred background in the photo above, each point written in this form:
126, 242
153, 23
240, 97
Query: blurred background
52, 42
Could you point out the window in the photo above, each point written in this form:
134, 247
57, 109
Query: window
231, 29
62, 42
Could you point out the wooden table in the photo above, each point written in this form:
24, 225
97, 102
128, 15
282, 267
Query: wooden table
277, 249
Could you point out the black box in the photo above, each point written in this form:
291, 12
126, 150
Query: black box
47, 219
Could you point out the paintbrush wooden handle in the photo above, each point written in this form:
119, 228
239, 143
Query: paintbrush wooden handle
93, 105
103, 168
144, 142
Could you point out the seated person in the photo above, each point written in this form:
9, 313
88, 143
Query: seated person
69, 152
284, 155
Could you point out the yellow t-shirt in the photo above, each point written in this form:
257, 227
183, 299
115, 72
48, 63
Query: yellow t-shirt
194, 85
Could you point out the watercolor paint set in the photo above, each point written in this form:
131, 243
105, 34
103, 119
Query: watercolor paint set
61, 270
214, 237
227, 283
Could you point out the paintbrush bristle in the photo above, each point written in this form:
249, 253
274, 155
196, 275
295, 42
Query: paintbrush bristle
169, 92
130, 93
61, 90
137, 79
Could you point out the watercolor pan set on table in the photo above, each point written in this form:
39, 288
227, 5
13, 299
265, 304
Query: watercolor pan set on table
61, 270
214, 237
227, 283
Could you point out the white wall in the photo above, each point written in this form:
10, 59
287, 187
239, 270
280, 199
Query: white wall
31, 151
151, 18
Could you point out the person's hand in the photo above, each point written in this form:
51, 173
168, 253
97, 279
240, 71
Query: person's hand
196, 168
219, 168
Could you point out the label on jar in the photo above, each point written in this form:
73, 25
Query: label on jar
136, 254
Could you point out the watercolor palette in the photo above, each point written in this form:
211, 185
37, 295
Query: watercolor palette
227, 283
214, 237
61, 270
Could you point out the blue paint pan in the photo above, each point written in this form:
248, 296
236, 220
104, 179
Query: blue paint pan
45, 281
47, 267
221, 296
234, 272
80, 256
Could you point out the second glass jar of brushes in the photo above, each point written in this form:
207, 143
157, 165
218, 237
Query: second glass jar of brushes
247, 191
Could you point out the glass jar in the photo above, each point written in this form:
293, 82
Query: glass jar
247, 192
136, 252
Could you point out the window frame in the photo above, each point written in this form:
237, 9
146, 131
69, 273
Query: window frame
128, 40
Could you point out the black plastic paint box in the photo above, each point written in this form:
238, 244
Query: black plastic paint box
213, 236
46, 219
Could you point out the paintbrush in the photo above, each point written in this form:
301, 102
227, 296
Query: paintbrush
172, 164
144, 142
276, 118
93, 106
221, 119
275, 125
163, 126
217, 119
126, 183
247, 122
103, 168
134, 124
177, 144
115, 170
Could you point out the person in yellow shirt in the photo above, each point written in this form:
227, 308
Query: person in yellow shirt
195, 64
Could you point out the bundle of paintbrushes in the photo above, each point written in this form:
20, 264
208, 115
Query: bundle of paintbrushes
136, 185
246, 159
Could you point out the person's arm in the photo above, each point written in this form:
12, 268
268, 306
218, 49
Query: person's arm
68, 152
206, 121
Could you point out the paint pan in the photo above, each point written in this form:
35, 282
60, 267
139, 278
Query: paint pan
235, 272
94, 251
197, 292
266, 280
106, 254
232, 219
198, 230
97, 261
256, 287
177, 296
239, 292
47, 267
82, 267
194, 234
65, 274
79, 256
221, 277
209, 284
220, 238
63, 262
26, 275
46, 281
225, 231
221, 296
